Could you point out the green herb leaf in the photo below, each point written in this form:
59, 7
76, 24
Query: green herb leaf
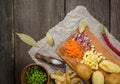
49, 39
27, 39
82, 26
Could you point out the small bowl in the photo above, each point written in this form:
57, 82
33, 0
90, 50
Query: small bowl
23, 73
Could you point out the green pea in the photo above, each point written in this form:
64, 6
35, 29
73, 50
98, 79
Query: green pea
35, 75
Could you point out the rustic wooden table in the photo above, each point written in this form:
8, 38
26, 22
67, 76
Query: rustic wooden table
35, 18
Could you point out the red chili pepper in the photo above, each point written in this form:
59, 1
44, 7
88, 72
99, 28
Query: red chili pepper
108, 42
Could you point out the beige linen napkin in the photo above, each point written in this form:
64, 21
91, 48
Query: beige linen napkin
63, 29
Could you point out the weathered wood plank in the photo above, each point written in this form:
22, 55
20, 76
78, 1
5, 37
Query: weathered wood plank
35, 18
97, 8
6, 59
115, 18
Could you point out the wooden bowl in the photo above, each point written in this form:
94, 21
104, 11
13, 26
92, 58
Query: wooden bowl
23, 73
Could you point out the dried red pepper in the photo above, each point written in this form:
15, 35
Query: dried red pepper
108, 42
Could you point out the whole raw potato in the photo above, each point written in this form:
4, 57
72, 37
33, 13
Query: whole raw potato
112, 79
97, 78
109, 66
84, 71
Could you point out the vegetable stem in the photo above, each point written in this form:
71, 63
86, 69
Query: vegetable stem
103, 29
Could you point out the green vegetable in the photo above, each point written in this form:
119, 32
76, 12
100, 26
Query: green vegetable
36, 75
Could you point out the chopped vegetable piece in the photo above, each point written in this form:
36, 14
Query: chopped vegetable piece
65, 78
83, 39
92, 58
58, 77
73, 49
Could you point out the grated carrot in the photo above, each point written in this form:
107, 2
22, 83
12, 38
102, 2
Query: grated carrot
73, 49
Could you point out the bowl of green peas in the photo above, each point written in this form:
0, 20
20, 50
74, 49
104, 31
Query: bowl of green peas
34, 74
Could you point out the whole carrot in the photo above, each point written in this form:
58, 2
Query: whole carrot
108, 42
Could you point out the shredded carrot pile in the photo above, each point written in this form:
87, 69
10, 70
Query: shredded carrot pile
73, 49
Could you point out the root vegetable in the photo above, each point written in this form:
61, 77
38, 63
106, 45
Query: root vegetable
84, 71
97, 78
67, 75
112, 79
58, 77
109, 66
75, 81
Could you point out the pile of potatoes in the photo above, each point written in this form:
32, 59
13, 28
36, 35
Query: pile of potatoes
90, 69
96, 77
89, 75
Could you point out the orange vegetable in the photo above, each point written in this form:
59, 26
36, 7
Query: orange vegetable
73, 49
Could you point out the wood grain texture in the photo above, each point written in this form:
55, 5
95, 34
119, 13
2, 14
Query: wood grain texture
6, 60
115, 19
99, 9
35, 18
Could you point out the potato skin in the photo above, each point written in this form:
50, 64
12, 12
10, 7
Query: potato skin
112, 79
97, 78
84, 71
109, 66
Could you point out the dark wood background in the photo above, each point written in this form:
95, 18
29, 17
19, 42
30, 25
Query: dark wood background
35, 17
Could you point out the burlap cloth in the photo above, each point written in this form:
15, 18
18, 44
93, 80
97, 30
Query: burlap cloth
63, 29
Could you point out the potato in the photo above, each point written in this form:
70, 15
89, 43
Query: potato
57, 72
67, 75
84, 71
109, 66
58, 82
112, 79
58, 77
75, 81
97, 78
65, 78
